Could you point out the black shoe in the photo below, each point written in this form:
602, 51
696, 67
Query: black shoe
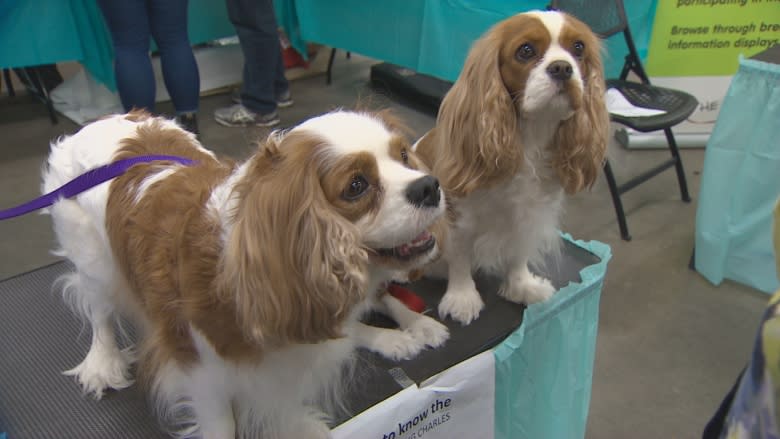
188, 121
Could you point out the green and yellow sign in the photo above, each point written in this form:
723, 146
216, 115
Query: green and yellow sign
706, 37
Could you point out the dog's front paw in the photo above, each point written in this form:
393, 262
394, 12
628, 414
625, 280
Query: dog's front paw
528, 289
428, 331
102, 370
396, 345
463, 305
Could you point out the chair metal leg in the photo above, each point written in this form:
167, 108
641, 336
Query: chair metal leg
328, 77
678, 165
8, 83
613, 189
36, 86
35, 78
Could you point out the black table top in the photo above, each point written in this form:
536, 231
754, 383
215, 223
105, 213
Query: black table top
771, 55
40, 337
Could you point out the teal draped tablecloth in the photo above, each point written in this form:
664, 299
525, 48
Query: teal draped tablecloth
430, 36
51, 31
740, 181
433, 36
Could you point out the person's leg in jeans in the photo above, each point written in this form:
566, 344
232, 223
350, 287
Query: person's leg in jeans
129, 26
264, 80
168, 19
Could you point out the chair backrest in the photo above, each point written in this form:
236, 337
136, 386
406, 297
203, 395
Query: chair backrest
605, 17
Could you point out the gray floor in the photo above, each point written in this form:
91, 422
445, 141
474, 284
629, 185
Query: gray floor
670, 344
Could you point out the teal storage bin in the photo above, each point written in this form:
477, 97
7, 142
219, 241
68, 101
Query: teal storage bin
544, 370
741, 182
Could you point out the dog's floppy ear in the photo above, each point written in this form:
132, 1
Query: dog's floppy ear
477, 124
581, 140
294, 266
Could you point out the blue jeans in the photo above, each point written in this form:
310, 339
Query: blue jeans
131, 23
256, 28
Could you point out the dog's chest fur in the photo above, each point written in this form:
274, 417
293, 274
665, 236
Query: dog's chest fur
513, 218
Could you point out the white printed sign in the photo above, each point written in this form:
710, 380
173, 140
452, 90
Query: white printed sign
457, 403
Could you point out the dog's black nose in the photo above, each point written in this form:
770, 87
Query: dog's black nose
424, 192
560, 70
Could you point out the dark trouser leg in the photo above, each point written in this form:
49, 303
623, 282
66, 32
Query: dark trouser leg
256, 28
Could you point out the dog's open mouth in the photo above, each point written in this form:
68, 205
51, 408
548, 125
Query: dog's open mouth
422, 244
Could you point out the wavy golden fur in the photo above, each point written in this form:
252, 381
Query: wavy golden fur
477, 141
291, 282
246, 281
580, 144
524, 123
477, 126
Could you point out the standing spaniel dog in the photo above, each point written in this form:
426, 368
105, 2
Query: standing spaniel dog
245, 281
524, 123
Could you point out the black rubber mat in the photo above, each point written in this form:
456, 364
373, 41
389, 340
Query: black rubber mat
40, 337
409, 87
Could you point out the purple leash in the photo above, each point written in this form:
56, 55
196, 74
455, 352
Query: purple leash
86, 181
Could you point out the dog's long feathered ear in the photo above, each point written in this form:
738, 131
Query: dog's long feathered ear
295, 267
477, 124
581, 141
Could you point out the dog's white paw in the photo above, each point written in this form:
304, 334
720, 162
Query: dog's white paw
103, 369
463, 305
428, 331
396, 345
529, 289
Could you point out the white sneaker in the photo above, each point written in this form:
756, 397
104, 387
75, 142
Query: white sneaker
282, 101
239, 116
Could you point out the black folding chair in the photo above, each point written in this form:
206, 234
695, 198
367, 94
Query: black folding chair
8, 84
329, 72
606, 18
39, 81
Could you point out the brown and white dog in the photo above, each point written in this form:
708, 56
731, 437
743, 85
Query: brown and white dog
524, 123
246, 281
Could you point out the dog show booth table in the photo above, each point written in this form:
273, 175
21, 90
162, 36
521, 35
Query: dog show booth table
34, 33
52, 31
514, 373
428, 36
431, 36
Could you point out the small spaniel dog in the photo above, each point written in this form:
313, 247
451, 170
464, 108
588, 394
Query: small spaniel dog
524, 123
246, 281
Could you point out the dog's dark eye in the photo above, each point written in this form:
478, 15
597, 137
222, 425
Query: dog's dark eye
579, 49
525, 52
405, 156
357, 187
